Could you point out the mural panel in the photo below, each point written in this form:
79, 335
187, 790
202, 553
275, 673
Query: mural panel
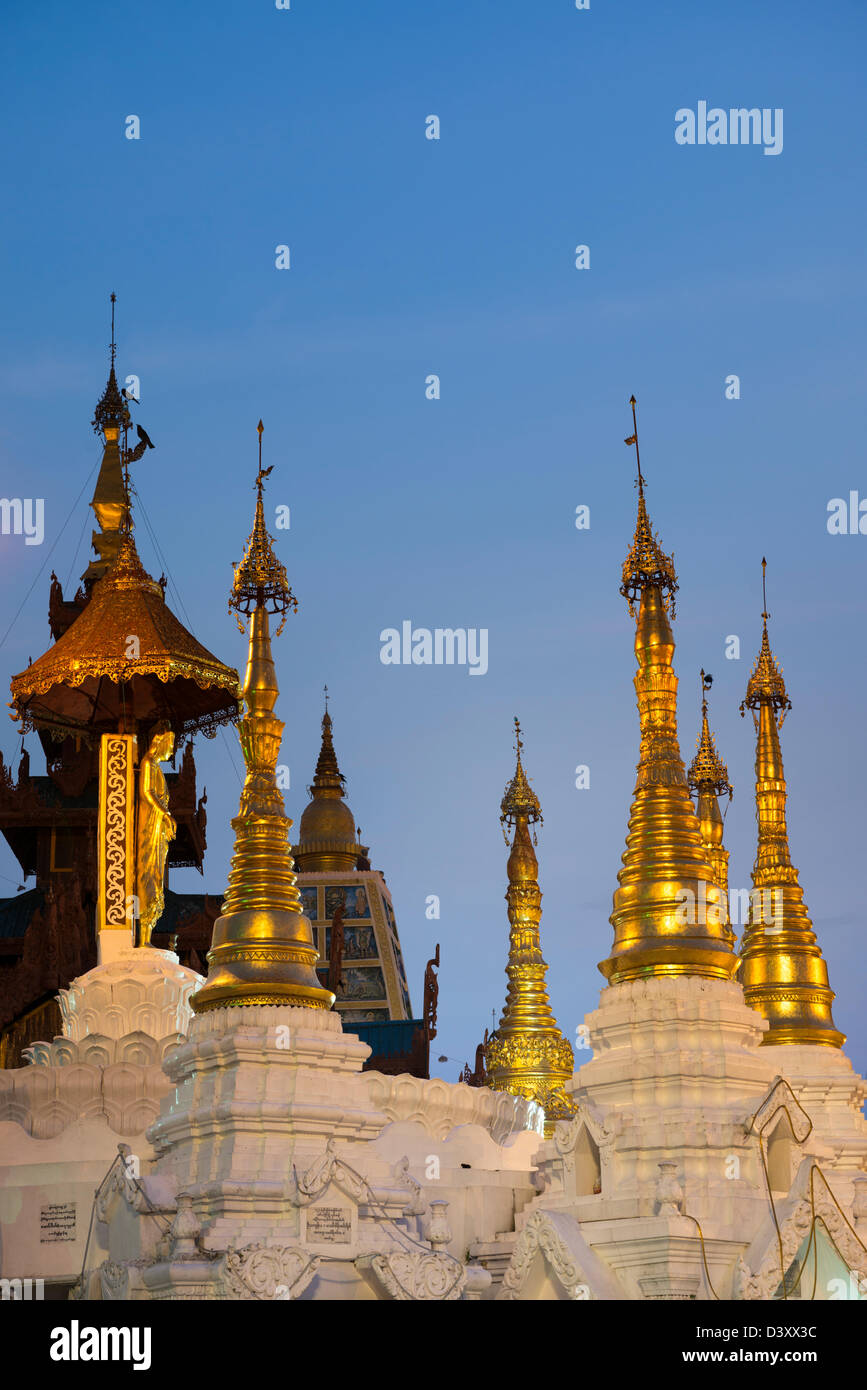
363, 982
364, 1015
359, 943
352, 898
309, 903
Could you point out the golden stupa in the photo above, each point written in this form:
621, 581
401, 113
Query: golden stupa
708, 777
527, 1055
668, 916
784, 974
262, 950
327, 837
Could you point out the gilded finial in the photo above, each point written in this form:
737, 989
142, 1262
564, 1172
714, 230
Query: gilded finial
707, 771
260, 580
327, 772
519, 799
766, 684
527, 1055
111, 409
633, 439
646, 566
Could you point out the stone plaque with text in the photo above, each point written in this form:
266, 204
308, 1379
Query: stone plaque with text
56, 1223
330, 1223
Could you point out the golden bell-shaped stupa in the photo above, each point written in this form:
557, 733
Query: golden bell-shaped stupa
262, 950
784, 973
527, 1055
327, 837
668, 918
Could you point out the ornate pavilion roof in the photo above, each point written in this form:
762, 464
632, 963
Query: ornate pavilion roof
94, 675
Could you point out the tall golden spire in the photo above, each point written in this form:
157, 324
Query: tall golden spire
527, 1055
262, 950
708, 777
784, 974
110, 500
327, 836
668, 916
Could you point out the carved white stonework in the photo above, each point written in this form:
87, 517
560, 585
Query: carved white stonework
273, 1168
265, 1152
140, 991
833, 1094
547, 1236
114, 1280
118, 1080
674, 1099
97, 1050
417, 1204
669, 1193
795, 1220
416, 1276
440, 1106
218, 1022
121, 1021
274, 1272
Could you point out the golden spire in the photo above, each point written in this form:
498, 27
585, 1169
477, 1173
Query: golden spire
110, 500
784, 975
668, 918
262, 950
327, 836
708, 776
527, 1055
327, 772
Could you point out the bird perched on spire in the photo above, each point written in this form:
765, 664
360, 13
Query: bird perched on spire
145, 442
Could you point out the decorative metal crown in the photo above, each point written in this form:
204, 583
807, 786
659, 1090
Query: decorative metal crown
707, 771
111, 408
519, 799
766, 684
260, 579
647, 565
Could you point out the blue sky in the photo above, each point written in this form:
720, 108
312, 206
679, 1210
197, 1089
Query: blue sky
409, 257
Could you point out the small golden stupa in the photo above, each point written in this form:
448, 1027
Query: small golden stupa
668, 915
327, 837
262, 950
708, 777
784, 974
527, 1055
